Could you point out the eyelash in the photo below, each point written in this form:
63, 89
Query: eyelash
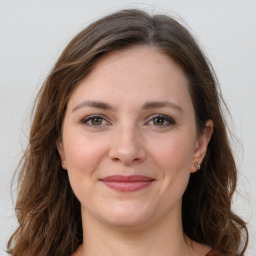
167, 120
91, 117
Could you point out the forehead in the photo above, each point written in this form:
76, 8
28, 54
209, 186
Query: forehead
142, 73
150, 60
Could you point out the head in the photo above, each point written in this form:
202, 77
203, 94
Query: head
45, 195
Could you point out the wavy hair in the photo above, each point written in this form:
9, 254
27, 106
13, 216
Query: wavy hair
47, 210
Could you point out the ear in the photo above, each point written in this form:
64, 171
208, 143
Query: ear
201, 145
61, 151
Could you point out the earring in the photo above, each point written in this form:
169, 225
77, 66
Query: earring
63, 164
197, 165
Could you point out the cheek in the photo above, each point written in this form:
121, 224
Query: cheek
83, 154
83, 157
173, 154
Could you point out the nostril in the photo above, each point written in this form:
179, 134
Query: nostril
115, 159
127, 148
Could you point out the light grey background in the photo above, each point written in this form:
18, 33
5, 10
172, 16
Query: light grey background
33, 34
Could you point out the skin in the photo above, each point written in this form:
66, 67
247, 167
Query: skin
127, 138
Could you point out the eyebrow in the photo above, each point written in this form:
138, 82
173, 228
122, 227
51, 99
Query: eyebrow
93, 104
146, 106
161, 104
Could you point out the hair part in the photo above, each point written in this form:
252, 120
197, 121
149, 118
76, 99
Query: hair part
48, 212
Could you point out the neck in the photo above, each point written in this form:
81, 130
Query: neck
165, 238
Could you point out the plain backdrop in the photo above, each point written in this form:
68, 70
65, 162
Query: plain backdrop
33, 34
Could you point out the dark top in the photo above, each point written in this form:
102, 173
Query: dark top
212, 253
217, 253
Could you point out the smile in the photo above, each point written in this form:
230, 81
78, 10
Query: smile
127, 183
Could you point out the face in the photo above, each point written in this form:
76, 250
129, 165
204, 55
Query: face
129, 140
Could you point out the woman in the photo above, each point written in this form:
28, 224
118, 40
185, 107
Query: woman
128, 151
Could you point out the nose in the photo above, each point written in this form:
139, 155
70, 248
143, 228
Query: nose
127, 146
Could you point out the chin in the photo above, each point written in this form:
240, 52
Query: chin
126, 216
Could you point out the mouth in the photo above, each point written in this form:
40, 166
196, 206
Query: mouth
127, 183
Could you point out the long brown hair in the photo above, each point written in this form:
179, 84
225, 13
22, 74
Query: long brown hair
47, 210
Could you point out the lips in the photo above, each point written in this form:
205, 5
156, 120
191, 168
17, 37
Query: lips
127, 183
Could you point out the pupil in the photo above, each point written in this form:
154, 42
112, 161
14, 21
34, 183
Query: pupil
158, 121
96, 121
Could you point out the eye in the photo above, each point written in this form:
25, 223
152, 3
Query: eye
95, 120
161, 120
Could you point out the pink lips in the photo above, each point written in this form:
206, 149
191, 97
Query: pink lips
127, 183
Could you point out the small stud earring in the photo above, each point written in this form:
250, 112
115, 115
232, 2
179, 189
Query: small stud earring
63, 164
197, 165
